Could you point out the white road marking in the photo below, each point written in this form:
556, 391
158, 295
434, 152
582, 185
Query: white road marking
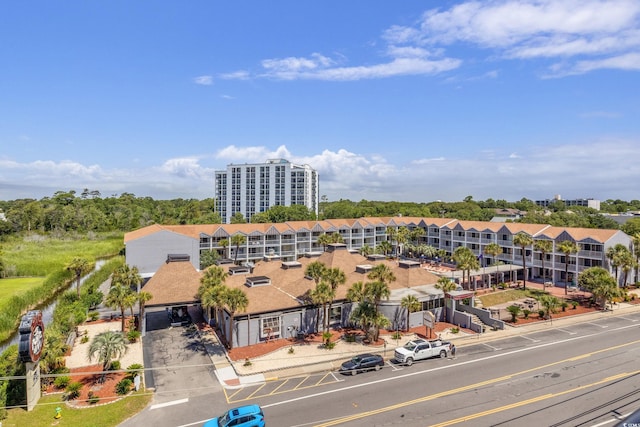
171, 403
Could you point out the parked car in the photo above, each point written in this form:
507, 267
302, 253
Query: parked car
421, 349
361, 363
242, 416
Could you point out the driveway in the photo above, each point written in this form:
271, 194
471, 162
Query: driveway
177, 364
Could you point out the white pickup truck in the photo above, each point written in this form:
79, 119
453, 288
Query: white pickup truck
421, 349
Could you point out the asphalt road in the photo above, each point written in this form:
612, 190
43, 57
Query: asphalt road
580, 375
181, 373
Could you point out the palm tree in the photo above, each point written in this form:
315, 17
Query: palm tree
636, 254
382, 273
550, 304
466, 261
514, 311
364, 316
79, 267
523, 240
356, 292
237, 240
334, 277
224, 243
118, 298
107, 346
411, 304
493, 250
236, 301
445, 285
212, 288
392, 235
384, 247
131, 301
315, 270
627, 263
319, 297
567, 247
375, 292
322, 295
143, 298
127, 276
544, 247
611, 255
402, 237
365, 250
324, 239
336, 238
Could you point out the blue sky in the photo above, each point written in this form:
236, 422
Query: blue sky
407, 101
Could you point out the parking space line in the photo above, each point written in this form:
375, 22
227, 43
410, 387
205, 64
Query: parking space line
165, 404
492, 347
530, 339
257, 390
394, 366
278, 388
322, 378
302, 382
566, 331
595, 324
231, 396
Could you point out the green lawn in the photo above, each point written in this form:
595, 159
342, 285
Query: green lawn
99, 416
11, 287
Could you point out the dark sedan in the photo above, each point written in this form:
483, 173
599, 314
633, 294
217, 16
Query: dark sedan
361, 363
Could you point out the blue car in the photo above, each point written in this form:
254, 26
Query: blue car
242, 416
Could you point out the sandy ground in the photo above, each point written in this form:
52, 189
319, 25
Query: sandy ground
78, 357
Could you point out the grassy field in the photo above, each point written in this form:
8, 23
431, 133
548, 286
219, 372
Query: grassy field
99, 416
10, 287
40, 255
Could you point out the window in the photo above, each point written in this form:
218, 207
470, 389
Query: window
270, 327
336, 315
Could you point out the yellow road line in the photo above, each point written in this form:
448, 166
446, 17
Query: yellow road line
533, 400
278, 388
484, 383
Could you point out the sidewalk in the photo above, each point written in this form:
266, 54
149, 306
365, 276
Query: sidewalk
311, 358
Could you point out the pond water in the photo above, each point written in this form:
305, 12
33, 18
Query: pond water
47, 310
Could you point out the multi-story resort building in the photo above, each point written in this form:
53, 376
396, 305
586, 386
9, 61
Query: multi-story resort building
147, 248
269, 266
253, 188
588, 203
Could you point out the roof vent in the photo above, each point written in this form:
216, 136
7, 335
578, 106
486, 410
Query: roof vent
177, 258
409, 264
364, 268
290, 264
244, 269
257, 281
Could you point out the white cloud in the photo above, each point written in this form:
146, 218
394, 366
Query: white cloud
602, 169
586, 34
525, 29
203, 80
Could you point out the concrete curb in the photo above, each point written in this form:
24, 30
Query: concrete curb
230, 379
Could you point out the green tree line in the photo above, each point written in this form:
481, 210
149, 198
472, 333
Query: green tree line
89, 211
